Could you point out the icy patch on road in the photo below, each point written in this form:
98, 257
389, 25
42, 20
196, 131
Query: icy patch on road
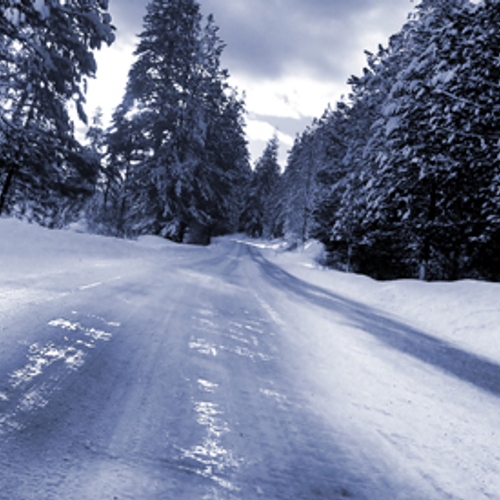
41, 358
65, 324
254, 329
203, 347
207, 415
31, 386
209, 458
247, 353
212, 460
239, 339
32, 400
280, 398
207, 386
71, 326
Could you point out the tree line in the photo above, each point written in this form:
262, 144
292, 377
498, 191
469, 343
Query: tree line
402, 177
174, 161
46, 57
399, 179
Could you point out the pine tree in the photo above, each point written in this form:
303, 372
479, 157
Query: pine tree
262, 215
125, 146
410, 179
95, 134
442, 135
192, 152
46, 55
300, 182
411, 171
466, 112
361, 228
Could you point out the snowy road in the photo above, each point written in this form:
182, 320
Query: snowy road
192, 373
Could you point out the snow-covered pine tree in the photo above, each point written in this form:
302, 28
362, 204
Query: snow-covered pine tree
98, 217
46, 55
96, 144
95, 135
442, 133
192, 151
300, 182
412, 170
346, 174
331, 177
484, 78
126, 148
410, 186
261, 216
466, 113
370, 245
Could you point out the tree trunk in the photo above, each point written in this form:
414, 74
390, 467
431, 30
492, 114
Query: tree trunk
6, 186
425, 253
349, 257
422, 272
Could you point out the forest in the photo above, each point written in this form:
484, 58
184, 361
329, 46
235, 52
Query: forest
399, 179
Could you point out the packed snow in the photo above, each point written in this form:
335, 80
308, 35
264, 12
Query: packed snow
144, 369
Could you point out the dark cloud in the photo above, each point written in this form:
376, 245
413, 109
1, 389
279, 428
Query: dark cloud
271, 38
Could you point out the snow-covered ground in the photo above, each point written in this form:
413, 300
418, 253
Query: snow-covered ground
149, 370
466, 312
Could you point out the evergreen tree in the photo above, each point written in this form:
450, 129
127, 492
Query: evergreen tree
442, 135
331, 177
409, 183
300, 183
262, 215
109, 210
96, 136
365, 240
46, 54
192, 152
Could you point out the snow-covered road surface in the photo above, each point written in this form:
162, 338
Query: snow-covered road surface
174, 372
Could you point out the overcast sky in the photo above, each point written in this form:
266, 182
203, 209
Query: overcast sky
291, 57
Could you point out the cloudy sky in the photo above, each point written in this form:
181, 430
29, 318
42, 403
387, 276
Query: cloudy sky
290, 57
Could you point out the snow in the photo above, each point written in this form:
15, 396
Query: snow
417, 417
466, 312
144, 369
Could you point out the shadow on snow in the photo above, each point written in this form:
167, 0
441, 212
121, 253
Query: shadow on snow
464, 365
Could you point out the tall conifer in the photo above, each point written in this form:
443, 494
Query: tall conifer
193, 152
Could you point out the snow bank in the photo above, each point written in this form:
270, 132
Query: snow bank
27, 248
465, 313
424, 411
38, 264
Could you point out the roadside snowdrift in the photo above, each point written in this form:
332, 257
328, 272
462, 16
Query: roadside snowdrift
37, 264
410, 368
465, 313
